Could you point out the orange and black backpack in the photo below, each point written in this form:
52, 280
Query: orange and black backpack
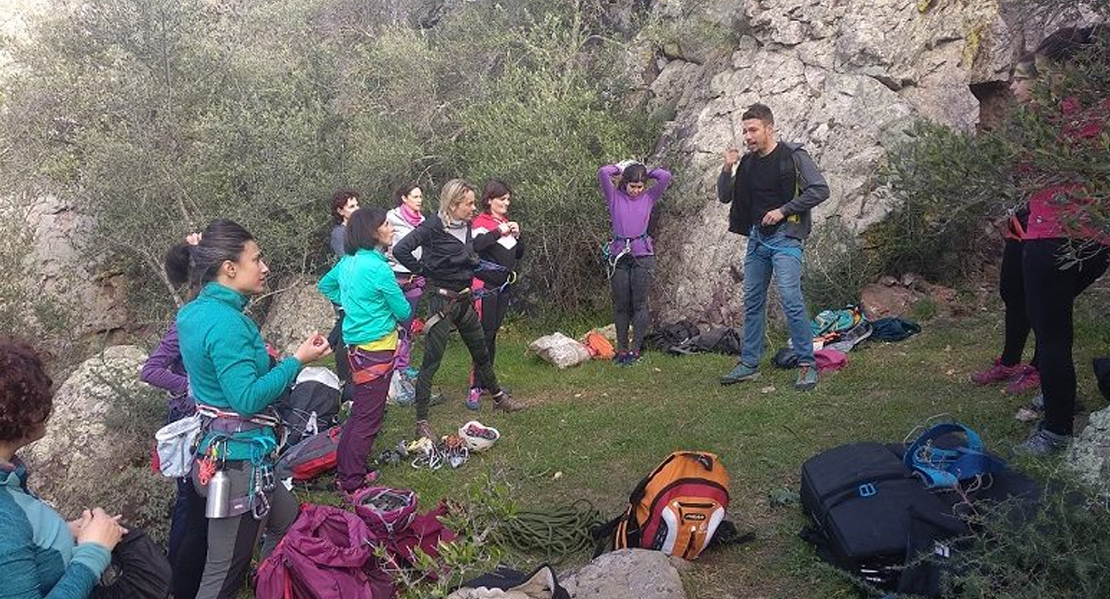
676, 509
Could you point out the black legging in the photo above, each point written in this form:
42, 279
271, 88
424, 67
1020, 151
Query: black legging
630, 284
1050, 293
493, 308
1011, 286
335, 340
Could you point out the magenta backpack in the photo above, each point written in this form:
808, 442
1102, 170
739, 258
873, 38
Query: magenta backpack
325, 555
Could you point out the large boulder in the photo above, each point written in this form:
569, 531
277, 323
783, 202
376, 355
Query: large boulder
844, 77
96, 451
1089, 454
626, 574
79, 440
295, 313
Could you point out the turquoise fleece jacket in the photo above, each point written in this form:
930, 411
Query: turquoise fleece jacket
38, 556
228, 365
366, 287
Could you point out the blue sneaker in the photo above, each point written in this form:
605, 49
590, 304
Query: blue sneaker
741, 373
621, 358
473, 398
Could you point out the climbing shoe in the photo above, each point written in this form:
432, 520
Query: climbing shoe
741, 373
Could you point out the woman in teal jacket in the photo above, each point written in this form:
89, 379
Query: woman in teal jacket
373, 303
41, 555
232, 380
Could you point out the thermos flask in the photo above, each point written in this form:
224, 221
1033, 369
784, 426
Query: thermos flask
219, 495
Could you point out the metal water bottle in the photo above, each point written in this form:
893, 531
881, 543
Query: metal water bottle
219, 495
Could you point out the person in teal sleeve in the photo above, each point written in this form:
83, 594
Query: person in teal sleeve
41, 555
229, 371
364, 284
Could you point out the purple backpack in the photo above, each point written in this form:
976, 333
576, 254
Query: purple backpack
325, 555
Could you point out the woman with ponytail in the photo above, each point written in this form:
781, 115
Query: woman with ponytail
165, 370
230, 376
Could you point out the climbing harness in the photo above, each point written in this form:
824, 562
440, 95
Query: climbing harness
758, 239
487, 265
222, 425
611, 261
453, 298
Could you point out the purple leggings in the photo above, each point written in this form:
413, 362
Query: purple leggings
367, 413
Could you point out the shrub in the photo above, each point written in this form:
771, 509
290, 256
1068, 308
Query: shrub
945, 184
1060, 551
158, 116
837, 267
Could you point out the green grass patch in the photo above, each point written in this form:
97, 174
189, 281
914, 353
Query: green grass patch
593, 431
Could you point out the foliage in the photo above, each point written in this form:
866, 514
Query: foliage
475, 516
551, 122
158, 116
946, 182
1060, 550
837, 267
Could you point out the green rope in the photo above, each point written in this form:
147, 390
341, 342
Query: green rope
556, 533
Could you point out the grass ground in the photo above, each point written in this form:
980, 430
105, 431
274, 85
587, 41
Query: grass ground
604, 427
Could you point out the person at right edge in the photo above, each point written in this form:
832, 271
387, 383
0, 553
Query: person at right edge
1066, 247
772, 190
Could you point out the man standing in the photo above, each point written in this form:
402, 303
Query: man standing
772, 190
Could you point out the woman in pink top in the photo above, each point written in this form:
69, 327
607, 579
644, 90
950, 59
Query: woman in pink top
1064, 252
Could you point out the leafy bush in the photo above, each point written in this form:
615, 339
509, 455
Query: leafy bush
837, 268
947, 184
1060, 551
159, 115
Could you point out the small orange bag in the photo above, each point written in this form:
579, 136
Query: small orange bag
599, 346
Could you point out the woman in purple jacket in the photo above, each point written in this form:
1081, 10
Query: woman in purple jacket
631, 253
188, 543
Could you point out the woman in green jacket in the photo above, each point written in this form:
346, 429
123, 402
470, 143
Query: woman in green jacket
230, 376
364, 284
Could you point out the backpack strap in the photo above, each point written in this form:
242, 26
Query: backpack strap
942, 467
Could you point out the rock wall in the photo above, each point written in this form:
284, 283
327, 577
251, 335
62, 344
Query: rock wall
296, 313
845, 77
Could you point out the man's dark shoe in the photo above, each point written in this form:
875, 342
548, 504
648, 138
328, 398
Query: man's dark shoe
741, 373
807, 377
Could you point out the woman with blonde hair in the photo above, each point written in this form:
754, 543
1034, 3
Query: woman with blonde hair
448, 261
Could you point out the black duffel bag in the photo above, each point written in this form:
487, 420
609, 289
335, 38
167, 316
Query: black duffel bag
866, 505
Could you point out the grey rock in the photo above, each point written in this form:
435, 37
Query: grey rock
626, 574
81, 441
297, 312
1089, 455
844, 77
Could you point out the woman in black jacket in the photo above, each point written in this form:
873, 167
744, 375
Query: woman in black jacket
448, 262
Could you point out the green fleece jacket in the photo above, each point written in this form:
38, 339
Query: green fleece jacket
228, 365
366, 287
38, 555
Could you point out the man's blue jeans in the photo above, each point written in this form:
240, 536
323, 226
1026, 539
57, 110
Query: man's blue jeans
782, 256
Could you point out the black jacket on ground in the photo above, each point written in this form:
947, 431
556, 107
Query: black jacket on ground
446, 262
